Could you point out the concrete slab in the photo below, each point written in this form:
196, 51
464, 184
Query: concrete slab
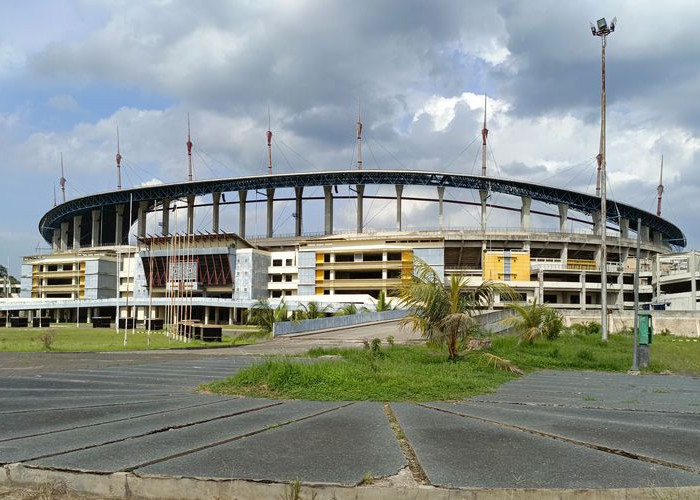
455, 451
337, 447
132, 453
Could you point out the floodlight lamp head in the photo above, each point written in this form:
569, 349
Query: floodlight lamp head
602, 24
613, 23
592, 29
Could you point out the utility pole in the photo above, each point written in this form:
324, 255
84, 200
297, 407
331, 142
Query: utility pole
603, 31
635, 361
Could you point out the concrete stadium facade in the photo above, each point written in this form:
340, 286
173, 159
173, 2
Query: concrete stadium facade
94, 269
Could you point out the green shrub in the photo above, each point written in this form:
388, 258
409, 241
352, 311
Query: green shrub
376, 346
47, 338
584, 355
390, 340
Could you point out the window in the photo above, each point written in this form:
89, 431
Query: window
277, 262
288, 262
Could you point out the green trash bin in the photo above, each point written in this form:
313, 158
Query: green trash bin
644, 337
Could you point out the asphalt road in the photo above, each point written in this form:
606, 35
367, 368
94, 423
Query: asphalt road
140, 412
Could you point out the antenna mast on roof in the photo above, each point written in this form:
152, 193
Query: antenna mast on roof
484, 135
269, 143
189, 150
660, 189
359, 136
119, 164
63, 181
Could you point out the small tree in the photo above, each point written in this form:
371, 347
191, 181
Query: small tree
444, 313
265, 316
382, 303
534, 321
312, 310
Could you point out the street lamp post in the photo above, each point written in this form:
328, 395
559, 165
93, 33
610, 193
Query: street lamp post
603, 30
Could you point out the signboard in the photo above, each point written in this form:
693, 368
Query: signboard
182, 275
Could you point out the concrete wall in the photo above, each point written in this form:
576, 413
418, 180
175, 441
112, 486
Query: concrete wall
310, 325
679, 323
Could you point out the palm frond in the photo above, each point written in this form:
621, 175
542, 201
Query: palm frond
501, 363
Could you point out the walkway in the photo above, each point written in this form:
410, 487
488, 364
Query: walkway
140, 413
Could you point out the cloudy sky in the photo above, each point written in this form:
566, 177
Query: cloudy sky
72, 71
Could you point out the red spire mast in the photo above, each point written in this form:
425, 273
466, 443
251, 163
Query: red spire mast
359, 137
63, 181
269, 143
119, 164
484, 135
660, 189
189, 150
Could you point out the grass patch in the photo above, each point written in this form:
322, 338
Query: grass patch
418, 373
65, 338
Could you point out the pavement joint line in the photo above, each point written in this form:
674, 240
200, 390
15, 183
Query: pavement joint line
155, 431
237, 438
115, 420
97, 381
414, 465
577, 442
85, 407
582, 407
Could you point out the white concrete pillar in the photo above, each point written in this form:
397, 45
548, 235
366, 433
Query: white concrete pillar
565, 256
231, 315
563, 215
56, 240
298, 207
64, 235
206, 315
399, 194
328, 212
582, 296
165, 230
77, 230
215, 199
242, 195
624, 228
597, 222
441, 196
270, 211
119, 225
657, 238
216, 315
525, 213
360, 207
645, 233
692, 267
141, 224
96, 229
484, 196
190, 214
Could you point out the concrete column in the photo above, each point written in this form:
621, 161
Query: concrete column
525, 213
89, 315
441, 196
360, 207
64, 235
624, 228
165, 230
399, 194
119, 225
657, 238
56, 240
270, 211
582, 297
77, 229
141, 225
96, 228
328, 202
645, 233
216, 315
692, 267
215, 198
206, 315
597, 222
563, 214
242, 195
190, 214
540, 281
299, 196
231, 315
484, 196
565, 256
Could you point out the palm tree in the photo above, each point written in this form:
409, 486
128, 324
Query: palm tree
312, 310
265, 316
534, 320
444, 313
382, 303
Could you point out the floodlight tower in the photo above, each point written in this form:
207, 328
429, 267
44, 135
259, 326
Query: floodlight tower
603, 30
359, 137
660, 189
189, 150
118, 157
62, 181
